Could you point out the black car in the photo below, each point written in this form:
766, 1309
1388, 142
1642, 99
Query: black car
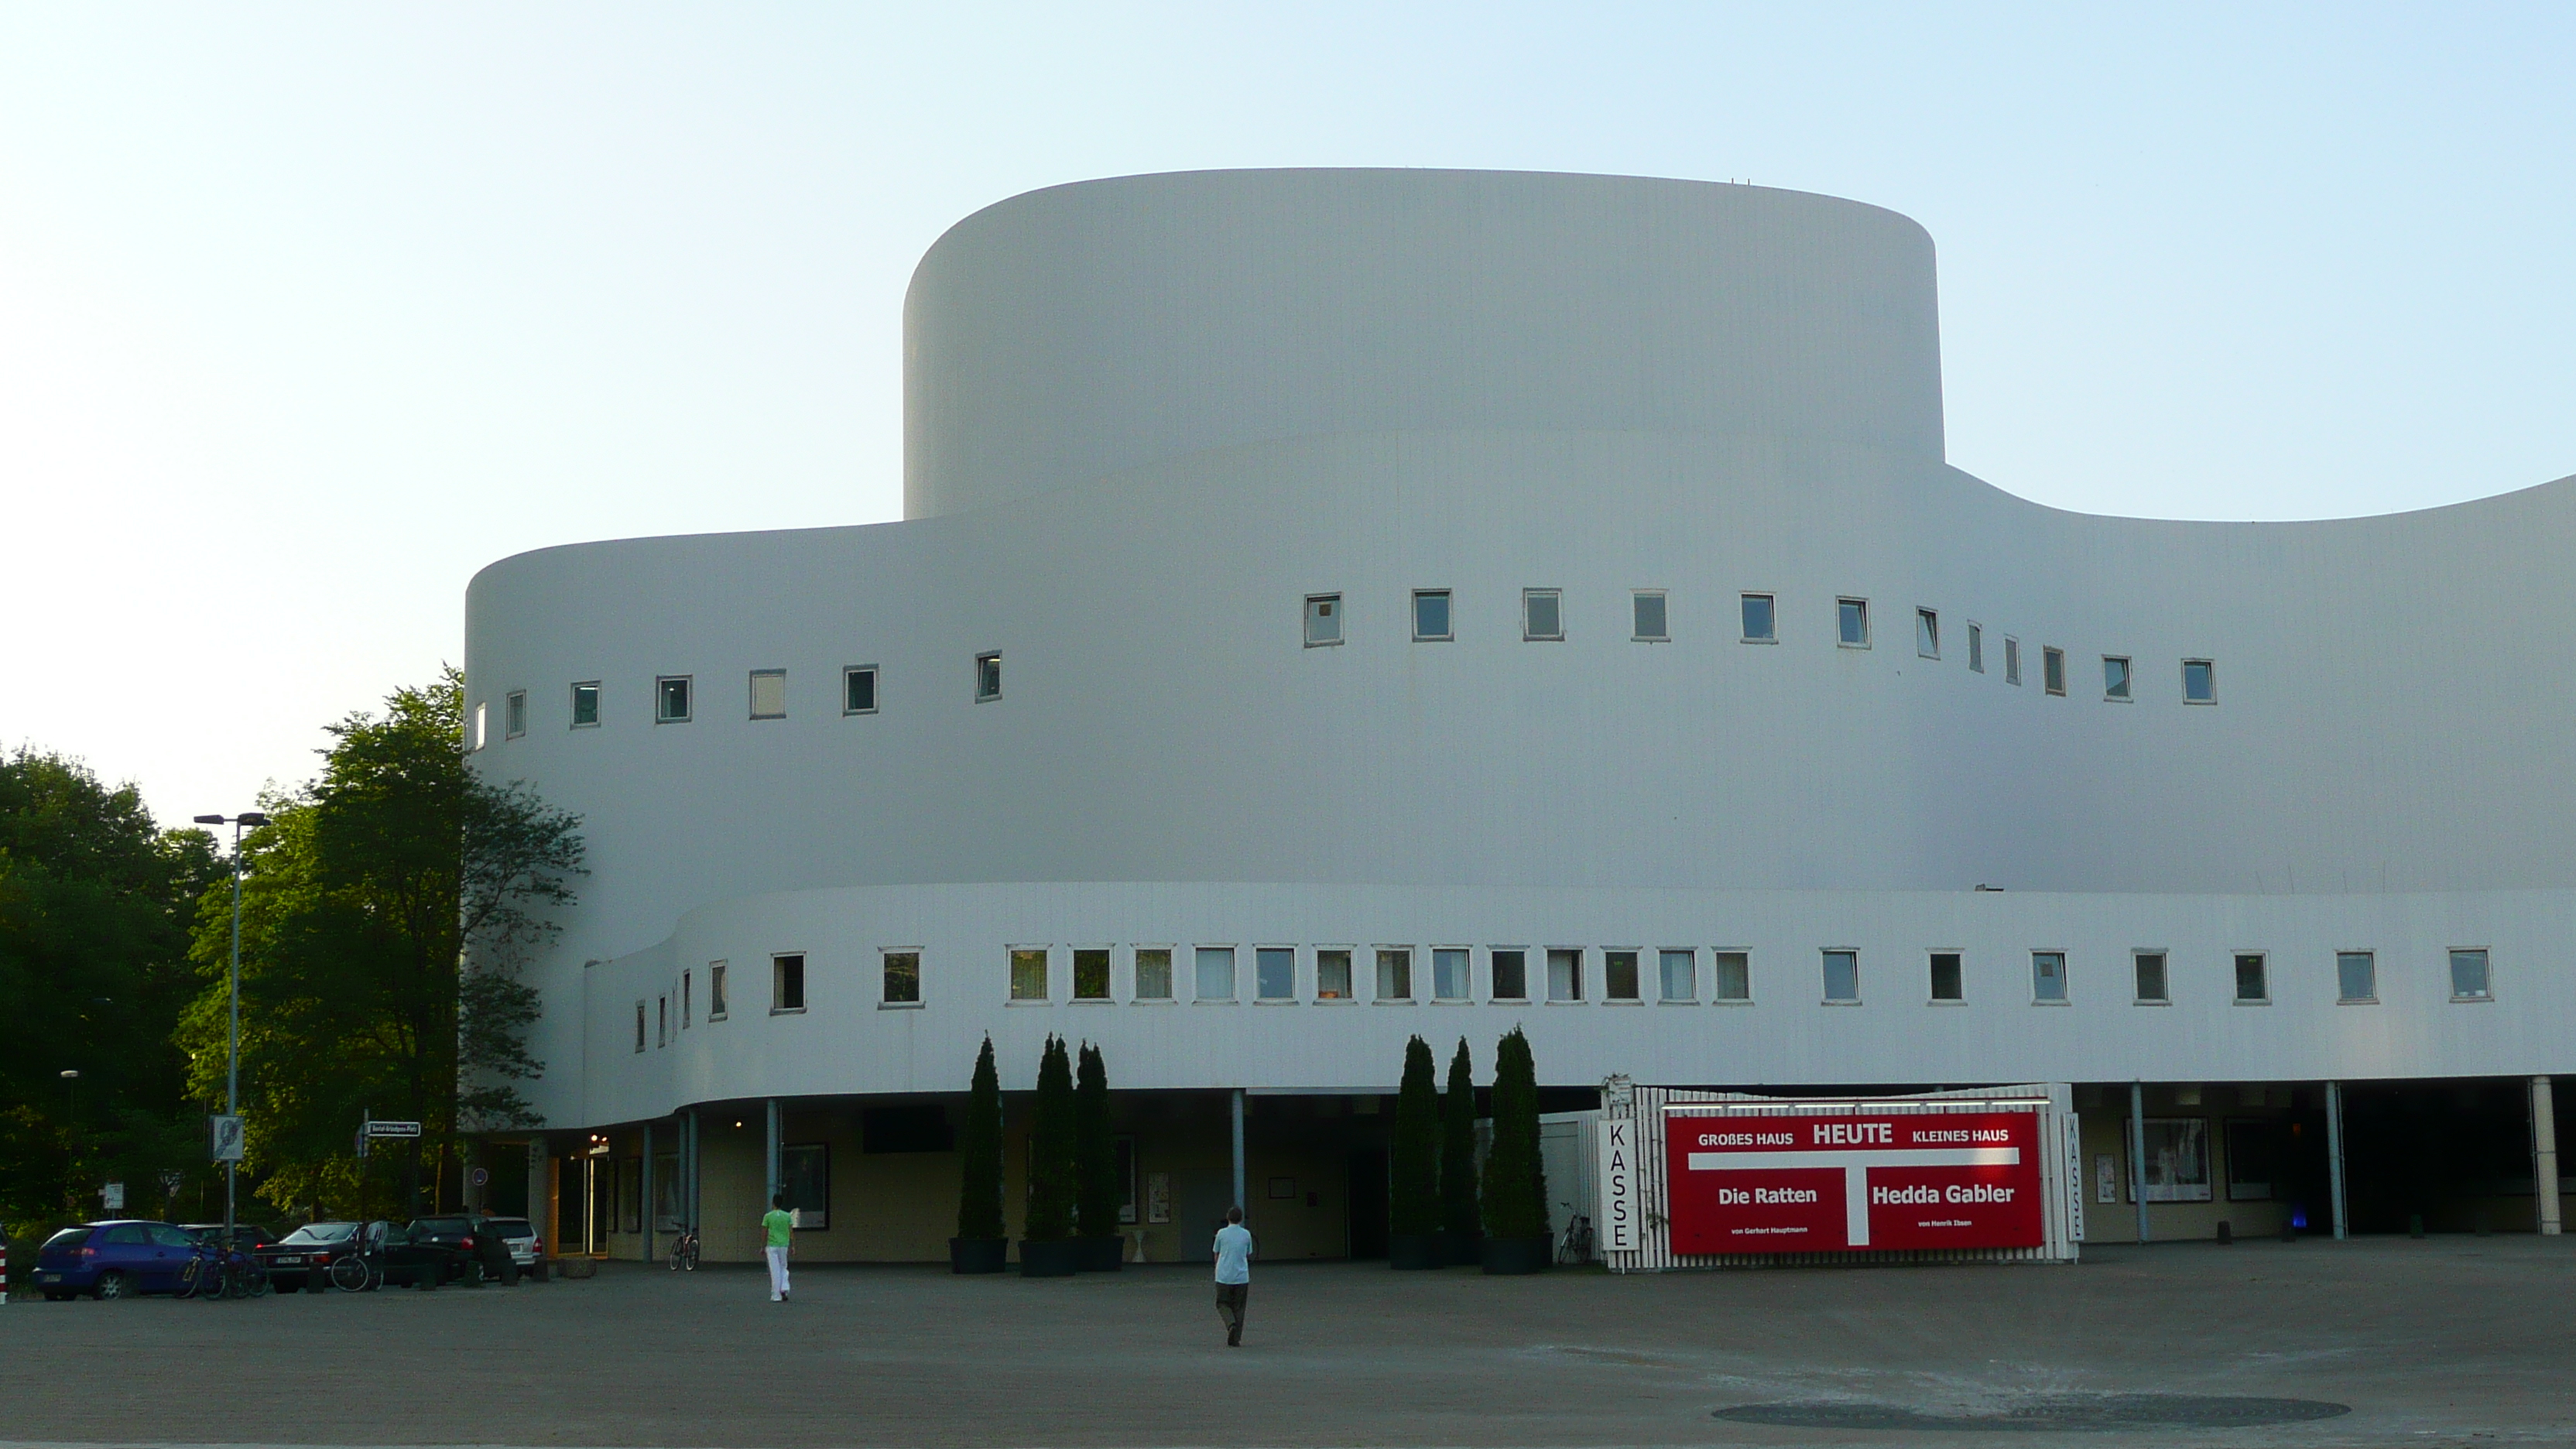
303, 1258
482, 1254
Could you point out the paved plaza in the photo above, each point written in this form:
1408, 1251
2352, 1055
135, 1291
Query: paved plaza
2450, 1341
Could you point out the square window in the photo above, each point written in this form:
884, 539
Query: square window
1029, 974
1851, 623
715, 991
2048, 976
1619, 976
514, 714
2250, 982
671, 699
1216, 973
1542, 614
988, 675
1976, 649
2356, 976
1681, 975
769, 694
1842, 976
1430, 615
1395, 975
1511, 975
2469, 978
1646, 606
1274, 973
2151, 976
1731, 973
2199, 682
1449, 974
859, 689
2052, 669
2115, 677
1761, 622
902, 978
1091, 974
585, 705
1947, 984
1333, 975
1323, 619
1927, 634
1564, 975
786, 983
2012, 660
474, 734
1153, 973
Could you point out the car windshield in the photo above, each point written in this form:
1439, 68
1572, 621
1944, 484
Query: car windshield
441, 1225
322, 1233
67, 1238
509, 1227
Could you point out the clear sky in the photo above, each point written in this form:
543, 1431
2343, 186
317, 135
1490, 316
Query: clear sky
308, 313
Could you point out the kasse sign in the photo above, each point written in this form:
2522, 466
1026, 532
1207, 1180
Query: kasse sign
1801, 1184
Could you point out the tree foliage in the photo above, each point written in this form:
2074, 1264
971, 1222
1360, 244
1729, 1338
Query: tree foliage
1413, 1149
1051, 1167
388, 909
1095, 1148
1458, 1213
979, 1194
94, 909
1515, 1186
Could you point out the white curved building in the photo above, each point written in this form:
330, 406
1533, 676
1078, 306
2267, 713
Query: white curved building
1335, 606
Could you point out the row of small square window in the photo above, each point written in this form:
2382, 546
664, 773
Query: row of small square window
1543, 621
675, 698
1215, 977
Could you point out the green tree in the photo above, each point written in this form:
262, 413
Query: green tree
388, 910
94, 909
1515, 1186
1458, 1214
1413, 1149
1050, 1209
979, 1194
1095, 1148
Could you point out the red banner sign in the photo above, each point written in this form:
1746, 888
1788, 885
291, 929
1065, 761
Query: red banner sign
1782, 1184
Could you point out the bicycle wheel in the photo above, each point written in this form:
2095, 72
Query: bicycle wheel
188, 1278
693, 1252
349, 1274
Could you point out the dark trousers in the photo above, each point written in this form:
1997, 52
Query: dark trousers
1229, 1306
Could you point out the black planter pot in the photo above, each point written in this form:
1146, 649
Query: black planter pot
1102, 1255
1518, 1255
1414, 1250
1059, 1259
978, 1255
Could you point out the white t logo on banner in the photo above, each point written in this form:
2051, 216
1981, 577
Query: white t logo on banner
1618, 1228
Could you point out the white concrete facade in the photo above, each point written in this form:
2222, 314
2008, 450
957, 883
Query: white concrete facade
1149, 417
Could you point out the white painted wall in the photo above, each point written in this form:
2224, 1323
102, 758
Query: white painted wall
1131, 501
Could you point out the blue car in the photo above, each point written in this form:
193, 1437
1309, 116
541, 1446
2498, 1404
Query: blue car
116, 1259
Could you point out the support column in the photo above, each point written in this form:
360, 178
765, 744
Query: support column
2138, 1153
646, 1220
1238, 1151
541, 1193
2334, 1155
689, 1184
2544, 1158
770, 1159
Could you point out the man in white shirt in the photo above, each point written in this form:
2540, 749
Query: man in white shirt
1233, 1274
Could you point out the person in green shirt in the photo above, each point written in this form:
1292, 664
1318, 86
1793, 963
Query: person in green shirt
780, 1225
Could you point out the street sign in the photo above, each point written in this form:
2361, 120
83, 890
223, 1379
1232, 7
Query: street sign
393, 1129
479, 1177
112, 1197
225, 1132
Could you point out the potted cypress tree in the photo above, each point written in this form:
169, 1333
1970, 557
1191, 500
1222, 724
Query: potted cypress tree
982, 1244
1460, 1222
1413, 1166
1515, 1188
1095, 1156
1046, 1234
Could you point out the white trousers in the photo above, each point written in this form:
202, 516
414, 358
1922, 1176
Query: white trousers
777, 1273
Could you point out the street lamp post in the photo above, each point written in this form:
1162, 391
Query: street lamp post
232, 981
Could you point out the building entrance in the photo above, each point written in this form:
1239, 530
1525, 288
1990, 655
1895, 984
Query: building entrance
2455, 1156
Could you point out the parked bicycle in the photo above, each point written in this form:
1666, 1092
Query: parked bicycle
684, 1251
218, 1270
1575, 1247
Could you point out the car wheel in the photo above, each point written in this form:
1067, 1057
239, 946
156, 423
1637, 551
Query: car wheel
114, 1284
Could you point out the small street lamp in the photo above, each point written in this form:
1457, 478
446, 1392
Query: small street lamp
232, 1069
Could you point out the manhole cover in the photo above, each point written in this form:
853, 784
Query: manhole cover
2054, 1413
